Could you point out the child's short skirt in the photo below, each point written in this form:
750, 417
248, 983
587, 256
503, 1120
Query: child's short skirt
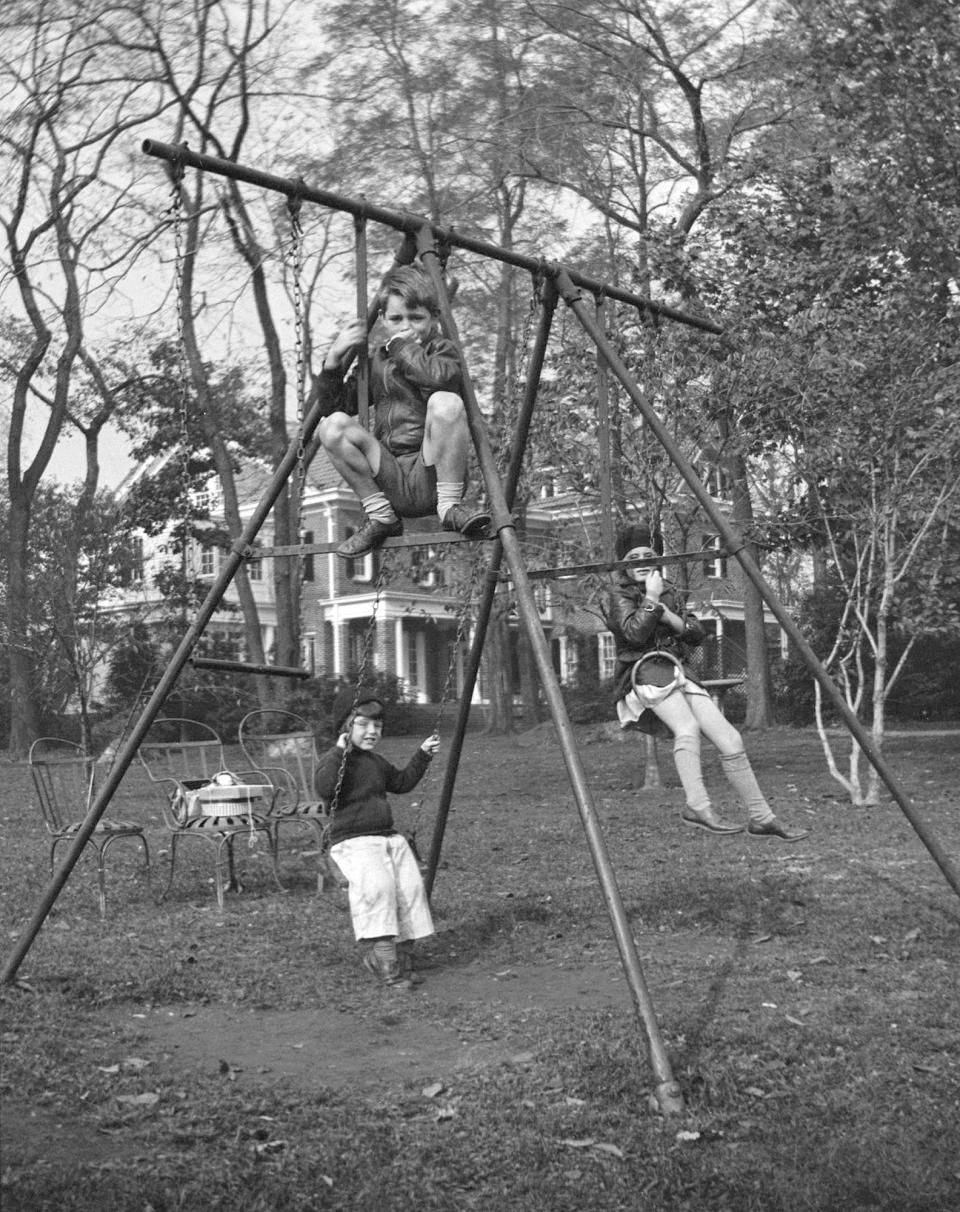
645, 698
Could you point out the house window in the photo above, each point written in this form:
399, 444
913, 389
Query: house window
255, 570
309, 646
716, 567
136, 560
207, 500
424, 569
569, 660
208, 561
360, 569
606, 655
716, 481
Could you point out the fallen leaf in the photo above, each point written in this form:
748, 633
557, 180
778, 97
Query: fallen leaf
603, 1147
432, 1091
754, 1091
109, 1068
796, 1021
684, 1136
579, 1144
793, 974
148, 1099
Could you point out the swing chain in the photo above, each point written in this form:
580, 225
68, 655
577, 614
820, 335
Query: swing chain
294, 203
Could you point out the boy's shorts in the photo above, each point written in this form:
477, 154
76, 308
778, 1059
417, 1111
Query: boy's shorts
408, 483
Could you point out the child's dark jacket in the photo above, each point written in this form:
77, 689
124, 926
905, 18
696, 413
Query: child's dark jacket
401, 382
362, 806
638, 631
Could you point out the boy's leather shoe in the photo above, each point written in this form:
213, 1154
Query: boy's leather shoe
707, 818
370, 535
775, 829
469, 519
387, 974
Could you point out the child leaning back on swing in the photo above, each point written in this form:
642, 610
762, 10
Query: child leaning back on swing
657, 695
415, 461
388, 901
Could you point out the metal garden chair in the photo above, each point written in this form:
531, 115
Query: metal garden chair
283, 748
204, 800
64, 777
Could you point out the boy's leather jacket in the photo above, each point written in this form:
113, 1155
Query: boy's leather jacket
638, 631
401, 382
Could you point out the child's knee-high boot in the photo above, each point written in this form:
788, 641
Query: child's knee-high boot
698, 812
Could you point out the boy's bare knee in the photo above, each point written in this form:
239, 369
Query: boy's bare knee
332, 429
445, 407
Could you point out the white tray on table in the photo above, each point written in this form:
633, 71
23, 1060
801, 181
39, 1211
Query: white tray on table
225, 800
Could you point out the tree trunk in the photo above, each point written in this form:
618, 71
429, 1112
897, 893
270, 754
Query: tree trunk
759, 683
651, 763
24, 715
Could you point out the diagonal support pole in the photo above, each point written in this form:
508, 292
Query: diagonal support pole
128, 751
734, 544
667, 1089
492, 579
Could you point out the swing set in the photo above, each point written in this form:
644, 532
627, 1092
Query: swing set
431, 243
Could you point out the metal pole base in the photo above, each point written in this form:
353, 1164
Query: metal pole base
669, 1098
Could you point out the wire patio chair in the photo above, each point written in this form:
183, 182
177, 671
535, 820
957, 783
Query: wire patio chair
282, 746
204, 800
64, 779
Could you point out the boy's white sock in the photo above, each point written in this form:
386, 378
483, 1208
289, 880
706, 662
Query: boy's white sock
449, 493
377, 506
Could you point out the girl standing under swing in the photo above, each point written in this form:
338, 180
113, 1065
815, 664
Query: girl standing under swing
655, 693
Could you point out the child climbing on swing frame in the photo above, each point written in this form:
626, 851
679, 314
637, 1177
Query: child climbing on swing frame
656, 694
415, 461
388, 902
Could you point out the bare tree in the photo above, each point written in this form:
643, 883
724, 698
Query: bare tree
69, 230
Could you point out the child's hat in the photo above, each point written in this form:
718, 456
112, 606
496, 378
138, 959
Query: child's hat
356, 700
637, 535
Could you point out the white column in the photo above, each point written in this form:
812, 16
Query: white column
399, 645
421, 658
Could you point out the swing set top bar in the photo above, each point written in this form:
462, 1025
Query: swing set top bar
404, 221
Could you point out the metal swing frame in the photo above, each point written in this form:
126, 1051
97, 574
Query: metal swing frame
570, 286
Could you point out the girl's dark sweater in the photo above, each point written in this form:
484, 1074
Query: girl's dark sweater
362, 806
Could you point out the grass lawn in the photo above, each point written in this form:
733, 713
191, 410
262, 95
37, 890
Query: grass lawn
175, 1058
